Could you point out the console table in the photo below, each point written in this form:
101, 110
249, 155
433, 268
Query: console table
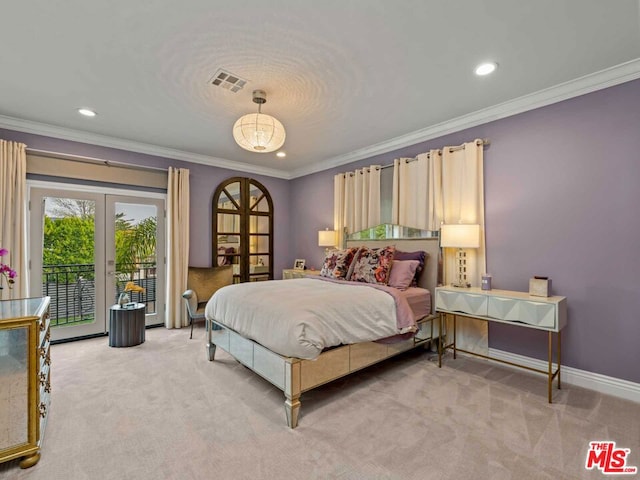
503, 306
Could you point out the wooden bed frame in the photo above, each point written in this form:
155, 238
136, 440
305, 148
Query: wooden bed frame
295, 376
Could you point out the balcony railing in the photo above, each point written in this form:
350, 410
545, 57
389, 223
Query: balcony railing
73, 293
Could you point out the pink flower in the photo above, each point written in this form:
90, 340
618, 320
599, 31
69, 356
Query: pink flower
6, 271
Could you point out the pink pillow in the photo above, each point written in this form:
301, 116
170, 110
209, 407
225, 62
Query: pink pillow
402, 273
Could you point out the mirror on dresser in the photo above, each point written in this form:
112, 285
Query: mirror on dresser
25, 383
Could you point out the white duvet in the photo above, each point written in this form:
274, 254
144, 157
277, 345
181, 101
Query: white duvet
301, 317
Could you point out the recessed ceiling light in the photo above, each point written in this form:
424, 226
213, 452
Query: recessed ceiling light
281, 154
87, 112
485, 68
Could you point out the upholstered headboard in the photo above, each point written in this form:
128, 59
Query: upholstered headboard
429, 277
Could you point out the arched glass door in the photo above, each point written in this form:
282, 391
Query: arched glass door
242, 228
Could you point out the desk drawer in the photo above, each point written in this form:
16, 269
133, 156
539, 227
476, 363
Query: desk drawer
532, 313
461, 302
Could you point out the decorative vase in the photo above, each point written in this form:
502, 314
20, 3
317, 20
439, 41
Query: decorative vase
123, 299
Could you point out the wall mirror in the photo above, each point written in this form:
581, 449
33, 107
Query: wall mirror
388, 231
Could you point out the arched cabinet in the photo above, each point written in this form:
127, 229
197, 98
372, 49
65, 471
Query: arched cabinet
243, 229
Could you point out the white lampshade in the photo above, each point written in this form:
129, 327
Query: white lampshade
460, 236
327, 238
258, 132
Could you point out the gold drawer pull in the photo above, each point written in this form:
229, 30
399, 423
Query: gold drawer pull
43, 321
43, 410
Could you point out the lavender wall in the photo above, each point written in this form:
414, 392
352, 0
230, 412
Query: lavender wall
561, 189
203, 182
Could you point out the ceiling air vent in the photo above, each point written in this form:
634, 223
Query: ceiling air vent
227, 80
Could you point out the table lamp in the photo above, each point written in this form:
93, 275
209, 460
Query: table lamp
460, 236
327, 239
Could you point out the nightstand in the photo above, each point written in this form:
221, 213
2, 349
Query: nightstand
289, 273
518, 309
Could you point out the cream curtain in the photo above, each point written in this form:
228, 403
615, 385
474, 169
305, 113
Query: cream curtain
463, 193
463, 201
339, 200
417, 195
446, 186
356, 201
13, 185
178, 245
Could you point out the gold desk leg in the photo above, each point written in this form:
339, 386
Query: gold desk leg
559, 358
440, 333
550, 373
455, 321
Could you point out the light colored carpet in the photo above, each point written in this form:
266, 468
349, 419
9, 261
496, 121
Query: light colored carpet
162, 411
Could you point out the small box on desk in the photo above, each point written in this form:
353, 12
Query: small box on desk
540, 286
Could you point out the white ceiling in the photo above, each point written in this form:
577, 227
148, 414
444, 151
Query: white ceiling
347, 78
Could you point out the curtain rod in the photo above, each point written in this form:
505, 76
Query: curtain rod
483, 142
93, 161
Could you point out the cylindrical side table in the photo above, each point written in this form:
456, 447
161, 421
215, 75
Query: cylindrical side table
126, 326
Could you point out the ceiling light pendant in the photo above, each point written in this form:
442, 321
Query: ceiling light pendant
258, 132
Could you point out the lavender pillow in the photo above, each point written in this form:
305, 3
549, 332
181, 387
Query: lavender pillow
402, 273
337, 262
372, 265
420, 256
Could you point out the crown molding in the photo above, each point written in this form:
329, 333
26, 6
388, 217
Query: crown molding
609, 77
37, 128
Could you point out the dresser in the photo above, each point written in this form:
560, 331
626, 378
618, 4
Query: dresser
518, 309
289, 273
25, 382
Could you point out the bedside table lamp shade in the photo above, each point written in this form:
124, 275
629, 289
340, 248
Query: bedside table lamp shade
327, 239
460, 236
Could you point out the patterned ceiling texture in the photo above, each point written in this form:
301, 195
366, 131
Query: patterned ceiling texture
347, 79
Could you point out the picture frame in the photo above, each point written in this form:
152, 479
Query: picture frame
299, 264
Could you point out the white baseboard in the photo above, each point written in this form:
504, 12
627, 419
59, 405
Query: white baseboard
581, 378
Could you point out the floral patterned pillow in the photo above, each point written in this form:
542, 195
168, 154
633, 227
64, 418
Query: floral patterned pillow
372, 265
337, 262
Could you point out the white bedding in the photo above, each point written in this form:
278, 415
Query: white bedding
301, 317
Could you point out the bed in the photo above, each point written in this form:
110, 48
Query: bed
245, 322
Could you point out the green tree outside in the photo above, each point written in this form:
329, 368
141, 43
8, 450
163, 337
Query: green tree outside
69, 240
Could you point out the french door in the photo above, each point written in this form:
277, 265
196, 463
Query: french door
88, 247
